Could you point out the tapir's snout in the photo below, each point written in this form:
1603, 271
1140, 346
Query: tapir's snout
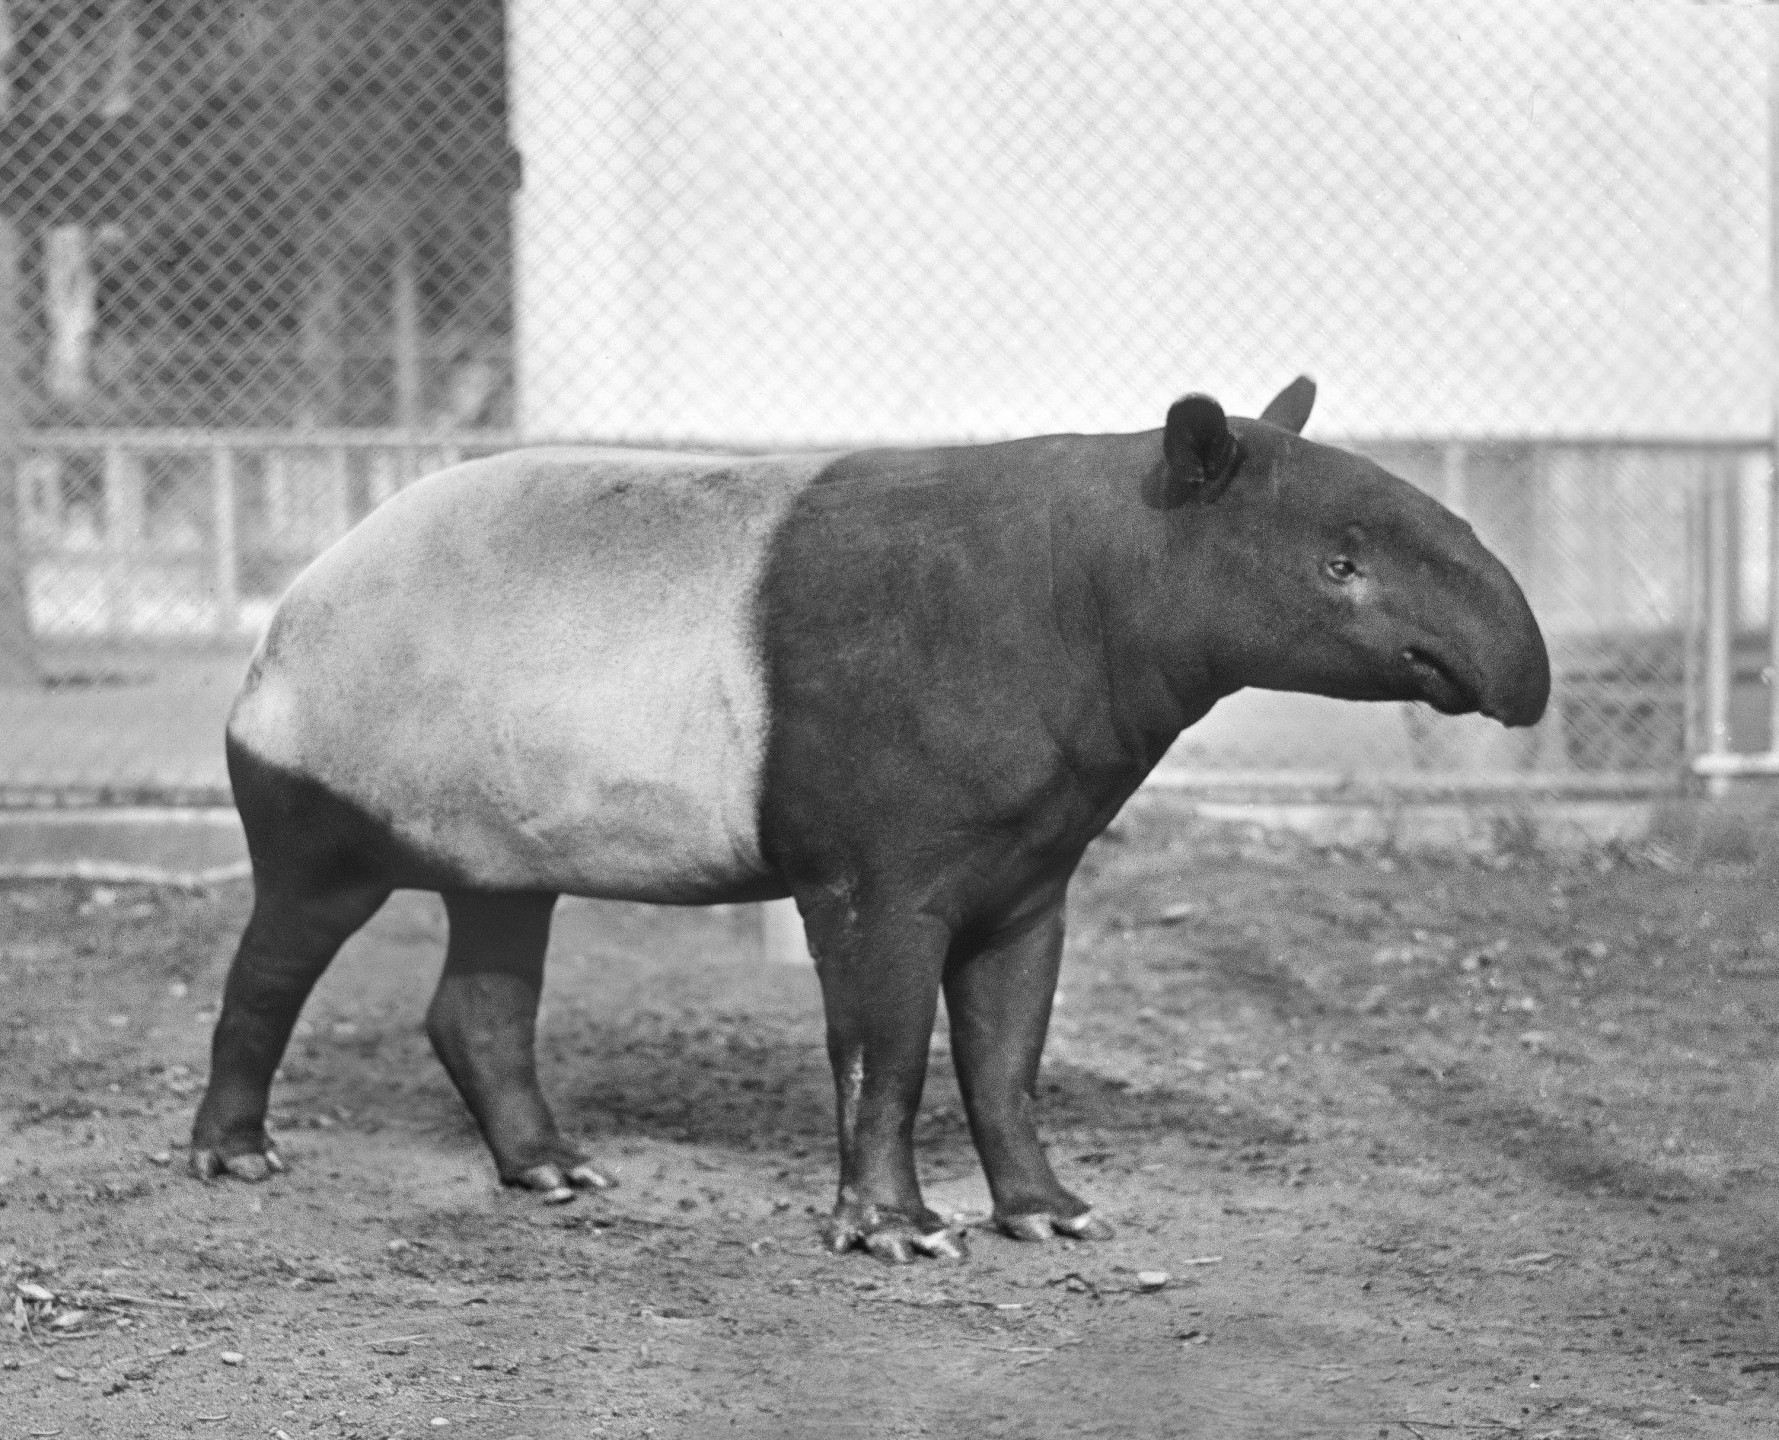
1523, 690
1500, 651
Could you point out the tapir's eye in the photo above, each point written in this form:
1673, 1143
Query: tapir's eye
1340, 568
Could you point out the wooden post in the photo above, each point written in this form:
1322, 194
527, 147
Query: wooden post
17, 662
782, 940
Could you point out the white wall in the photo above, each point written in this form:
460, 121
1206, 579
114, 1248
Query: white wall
788, 221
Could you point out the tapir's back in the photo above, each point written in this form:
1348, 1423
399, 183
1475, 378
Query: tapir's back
541, 670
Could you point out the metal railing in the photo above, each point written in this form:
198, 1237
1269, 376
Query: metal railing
190, 535
138, 534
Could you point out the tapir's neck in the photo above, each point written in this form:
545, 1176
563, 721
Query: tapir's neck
1022, 596
1161, 667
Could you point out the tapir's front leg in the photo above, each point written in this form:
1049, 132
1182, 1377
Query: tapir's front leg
999, 998
880, 988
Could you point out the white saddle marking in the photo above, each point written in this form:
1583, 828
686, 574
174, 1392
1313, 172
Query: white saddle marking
542, 669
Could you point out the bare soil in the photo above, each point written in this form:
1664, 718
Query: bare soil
1431, 1149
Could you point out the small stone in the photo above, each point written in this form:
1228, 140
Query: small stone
395, 1247
439, 1422
232, 1357
35, 1292
179, 990
1152, 1279
62, 1372
161, 1157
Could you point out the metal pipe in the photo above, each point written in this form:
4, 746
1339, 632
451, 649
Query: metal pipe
121, 502
1772, 668
174, 438
225, 555
1721, 768
1719, 675
18, 660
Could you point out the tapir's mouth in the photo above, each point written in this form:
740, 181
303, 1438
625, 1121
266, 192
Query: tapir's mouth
1439, 685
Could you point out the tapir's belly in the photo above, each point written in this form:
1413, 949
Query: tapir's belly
541, 671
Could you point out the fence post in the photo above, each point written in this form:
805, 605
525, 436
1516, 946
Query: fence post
17, 661
1719, 620
225, 553
1772, 676
405, 303
123, 512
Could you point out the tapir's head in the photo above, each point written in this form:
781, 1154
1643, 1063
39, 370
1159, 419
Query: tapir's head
1339, 578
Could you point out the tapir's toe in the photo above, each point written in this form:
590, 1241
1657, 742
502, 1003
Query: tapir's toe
557, 1180
585, 1176
890, 1236
252, 1165
1041, 1225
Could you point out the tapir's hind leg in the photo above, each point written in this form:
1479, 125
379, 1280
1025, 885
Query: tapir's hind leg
298, 925
318, 875
483, 1024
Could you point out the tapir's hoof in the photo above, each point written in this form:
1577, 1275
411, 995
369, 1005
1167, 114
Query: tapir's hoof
557, 1184
893, 1239
253, 1166
1042, 1225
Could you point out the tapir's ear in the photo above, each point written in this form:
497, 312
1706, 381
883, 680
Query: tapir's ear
1291, 407
1201, 453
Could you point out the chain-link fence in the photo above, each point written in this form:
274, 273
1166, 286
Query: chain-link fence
266, 261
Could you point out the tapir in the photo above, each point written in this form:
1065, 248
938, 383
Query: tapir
905, 686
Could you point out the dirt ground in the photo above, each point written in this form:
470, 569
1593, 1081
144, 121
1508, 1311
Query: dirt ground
1425, 1149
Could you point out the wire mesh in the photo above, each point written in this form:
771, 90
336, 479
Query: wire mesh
267, 261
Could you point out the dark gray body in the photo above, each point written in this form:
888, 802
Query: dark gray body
906, 687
